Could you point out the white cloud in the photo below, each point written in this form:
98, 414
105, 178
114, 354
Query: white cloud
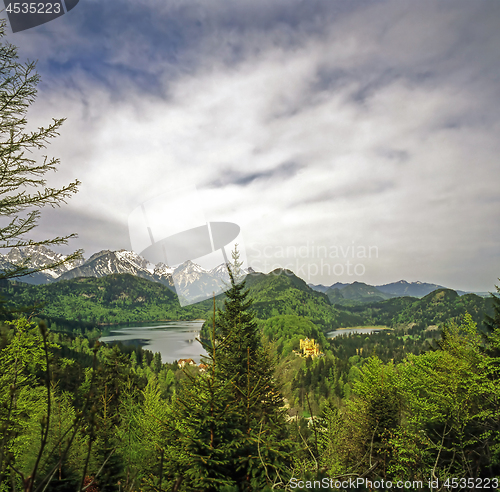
389, 134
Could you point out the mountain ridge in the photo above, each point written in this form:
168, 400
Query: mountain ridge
125, 298
401, 288
356, 292
194, 282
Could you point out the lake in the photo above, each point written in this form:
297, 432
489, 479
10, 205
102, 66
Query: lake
173, 339
177, 339
337, 333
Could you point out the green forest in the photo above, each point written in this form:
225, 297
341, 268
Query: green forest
412, 403
413, 406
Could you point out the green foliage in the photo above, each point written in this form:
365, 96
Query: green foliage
23, 189
451, 395
434, 415
230, 421
118, 298
430, 415
152, 419
435, 308
207, 430
285, 332
40, 428
21, 399
358, 432
377, 388
249, 368
281, 292
493, 322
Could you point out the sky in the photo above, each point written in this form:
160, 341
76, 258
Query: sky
350, 140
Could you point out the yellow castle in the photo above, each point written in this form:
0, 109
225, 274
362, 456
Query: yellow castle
309, 347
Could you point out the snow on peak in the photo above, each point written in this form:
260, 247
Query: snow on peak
40, 256
162, 269
135, 260
189, 266
220, 271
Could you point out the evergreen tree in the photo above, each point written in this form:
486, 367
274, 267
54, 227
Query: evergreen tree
23, 189
114, 381
228, 421
237, 331
205, 428
250, 369
493, 322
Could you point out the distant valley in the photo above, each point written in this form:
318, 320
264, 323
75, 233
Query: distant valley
359, 292
121, 287
184, 276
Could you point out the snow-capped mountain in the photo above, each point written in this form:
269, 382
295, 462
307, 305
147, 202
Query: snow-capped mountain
38, 256
220, 272
192, 282
189, 272
163, 273
108, 262
188, 279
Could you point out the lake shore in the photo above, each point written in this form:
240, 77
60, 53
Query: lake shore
373, 327
356, 330
174, 340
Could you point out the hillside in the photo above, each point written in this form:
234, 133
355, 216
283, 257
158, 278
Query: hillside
282, 292
117, 298
357, 292
435, 308
285, 332
442, 305
123, 298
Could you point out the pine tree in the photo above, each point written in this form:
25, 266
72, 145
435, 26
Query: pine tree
493, 322
229, 424
250, 369
114, 380
237, 330
242, 357
205, 429
23, 189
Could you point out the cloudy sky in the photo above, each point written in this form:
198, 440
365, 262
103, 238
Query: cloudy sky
350, 140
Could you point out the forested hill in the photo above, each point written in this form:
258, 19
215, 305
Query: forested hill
117, 298
433, 309
124, 298
355, 293
282, 292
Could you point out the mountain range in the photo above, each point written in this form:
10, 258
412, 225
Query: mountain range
122, 287
356, 292
37, 256
85, 302
189, 279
